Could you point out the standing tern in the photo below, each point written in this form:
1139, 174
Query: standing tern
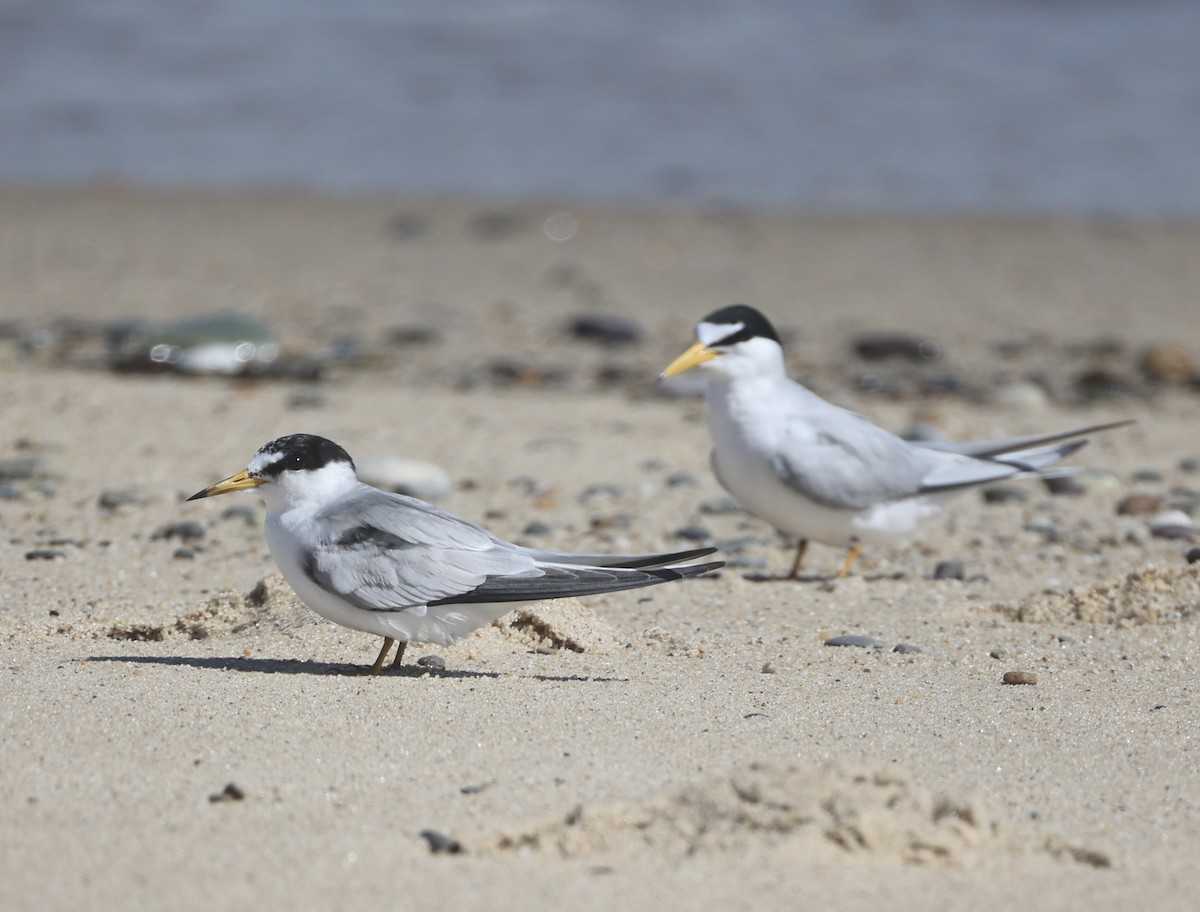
403, 569
820, 472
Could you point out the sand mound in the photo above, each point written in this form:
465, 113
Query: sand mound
562, 624
882, 814
271, 602
1152, 595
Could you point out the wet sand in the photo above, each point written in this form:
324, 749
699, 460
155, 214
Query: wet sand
176, 734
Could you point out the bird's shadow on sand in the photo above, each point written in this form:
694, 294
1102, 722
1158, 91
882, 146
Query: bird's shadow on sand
327, 669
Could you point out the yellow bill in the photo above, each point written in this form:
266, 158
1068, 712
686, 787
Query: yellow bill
697, 354
242, 481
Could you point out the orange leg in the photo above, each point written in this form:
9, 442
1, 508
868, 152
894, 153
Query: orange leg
399, 655
387, 647
850, 559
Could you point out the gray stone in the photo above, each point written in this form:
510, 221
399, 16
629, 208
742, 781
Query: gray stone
948, 570
854, 639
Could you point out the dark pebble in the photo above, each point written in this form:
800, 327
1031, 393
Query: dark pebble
436, 662
537, 527
188, 530
246, 513
440, 844
604, 329
411, 336
1050, 534
948, 570
885, 346
44, 554
1066, 639
681, 480
999, 653
407, 226
1193, 555
717, 506
1190, 464
866, 642
231, 792
693, 533
9, 491
1001, 494
1063, 484
1019, 677
1149, 475
1185, 499
1099, 384
491, 226
906, 648
921, 432
112, 498
184, 554
22, 468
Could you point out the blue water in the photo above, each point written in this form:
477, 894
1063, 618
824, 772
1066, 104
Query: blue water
1076, 106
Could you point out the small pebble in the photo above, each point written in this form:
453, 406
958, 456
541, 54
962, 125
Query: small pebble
1172, 524
1193, 555
1166, 362
1190, 464
112, 498
9, 491
405, 226
768, 668
999, 494
1059, 485
187, 530
881, 346
251, 516
948, 570
1019, 677
605, 329
866, 642
22, 468
1050, 534
44, 554
184, 554
436, 662
693, 533
1066, 639
681, 480
906, 648
1139, 505
718, 506
494, 225
231, 792
1148, 475
411, 336
999, 653
440, 844
537, 527
600, 492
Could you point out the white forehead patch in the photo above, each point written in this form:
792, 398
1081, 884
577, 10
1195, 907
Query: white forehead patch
262, 459
709, 333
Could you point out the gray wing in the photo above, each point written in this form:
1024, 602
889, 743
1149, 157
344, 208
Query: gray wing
841, 460
388, 552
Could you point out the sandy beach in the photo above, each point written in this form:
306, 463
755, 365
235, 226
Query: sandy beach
178, 731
